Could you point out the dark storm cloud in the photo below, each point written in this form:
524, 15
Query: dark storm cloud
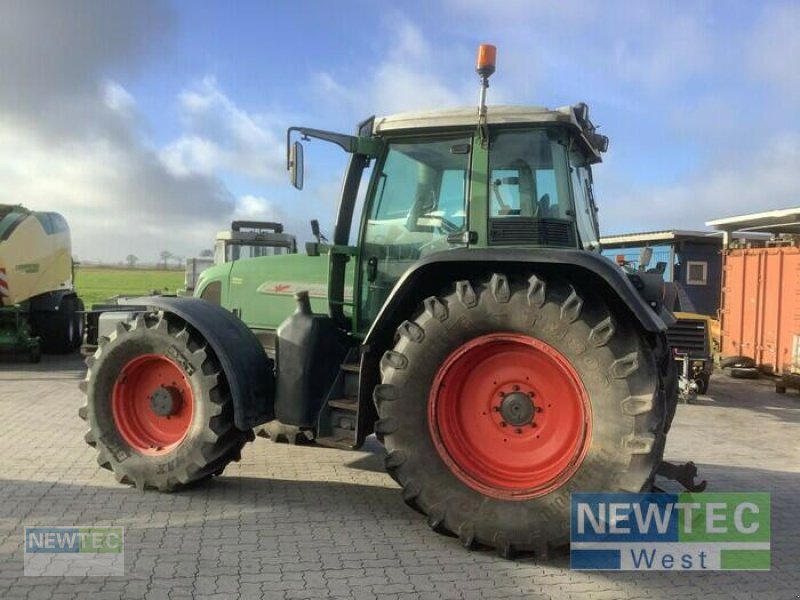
58, 62
54, 53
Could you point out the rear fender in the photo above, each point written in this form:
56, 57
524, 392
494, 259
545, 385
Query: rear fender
638, 296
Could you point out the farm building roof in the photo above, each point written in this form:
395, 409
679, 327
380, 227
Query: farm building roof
784, 220
669, 237
651, 238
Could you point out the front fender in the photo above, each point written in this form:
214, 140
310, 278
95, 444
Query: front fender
247, 368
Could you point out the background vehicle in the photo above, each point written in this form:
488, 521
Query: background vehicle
245, 239
39, 310
252, 239
473, 327
691, 336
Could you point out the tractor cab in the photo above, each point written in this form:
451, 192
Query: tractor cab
505, 177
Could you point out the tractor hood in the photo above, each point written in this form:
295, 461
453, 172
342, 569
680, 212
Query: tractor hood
262, 289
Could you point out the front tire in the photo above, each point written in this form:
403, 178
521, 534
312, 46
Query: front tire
503, 397
158, 405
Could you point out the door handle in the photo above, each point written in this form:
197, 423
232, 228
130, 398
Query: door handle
372, 269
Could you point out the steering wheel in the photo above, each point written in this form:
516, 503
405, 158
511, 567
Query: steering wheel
448, 226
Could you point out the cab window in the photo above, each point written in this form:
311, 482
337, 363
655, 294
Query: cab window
523, 180
417, 208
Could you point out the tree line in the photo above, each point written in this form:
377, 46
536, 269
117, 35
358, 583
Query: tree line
166, 256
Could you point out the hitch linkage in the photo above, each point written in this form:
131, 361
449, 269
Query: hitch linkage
683, 474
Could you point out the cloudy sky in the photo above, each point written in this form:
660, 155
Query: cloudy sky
151, 124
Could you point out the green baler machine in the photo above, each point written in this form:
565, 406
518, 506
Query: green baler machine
39, 310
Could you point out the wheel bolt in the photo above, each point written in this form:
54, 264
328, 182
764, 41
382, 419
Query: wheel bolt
502, 423
496, 408
502, 394
515, 388
538, 409
518, 430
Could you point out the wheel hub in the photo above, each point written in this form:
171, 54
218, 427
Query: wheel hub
152, 404
509, 416
517, 408
165, 401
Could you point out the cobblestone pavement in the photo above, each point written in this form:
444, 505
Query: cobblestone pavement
307, 522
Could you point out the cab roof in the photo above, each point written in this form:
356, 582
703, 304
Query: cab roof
495, 115
466, 116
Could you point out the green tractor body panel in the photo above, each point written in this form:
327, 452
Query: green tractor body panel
261, 290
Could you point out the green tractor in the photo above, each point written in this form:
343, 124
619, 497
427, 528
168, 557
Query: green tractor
473, 327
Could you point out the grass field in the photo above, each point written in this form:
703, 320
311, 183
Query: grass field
95, 284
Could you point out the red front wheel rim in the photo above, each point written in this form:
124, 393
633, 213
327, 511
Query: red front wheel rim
510, 416
152, 404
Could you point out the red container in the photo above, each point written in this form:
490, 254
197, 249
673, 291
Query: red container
761, 305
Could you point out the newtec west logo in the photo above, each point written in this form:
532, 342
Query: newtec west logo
670, 532
74, 551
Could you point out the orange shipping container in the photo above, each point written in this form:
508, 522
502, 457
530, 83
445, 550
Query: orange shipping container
761, 305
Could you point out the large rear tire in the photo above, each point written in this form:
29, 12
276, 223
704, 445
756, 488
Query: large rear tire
503, 397
158, 405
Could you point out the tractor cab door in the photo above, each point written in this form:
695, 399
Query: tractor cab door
416, 205
585, 207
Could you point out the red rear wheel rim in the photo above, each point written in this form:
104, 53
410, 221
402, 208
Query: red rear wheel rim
152, 404
509, 416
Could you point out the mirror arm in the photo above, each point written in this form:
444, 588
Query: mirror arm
348, 143
370, 147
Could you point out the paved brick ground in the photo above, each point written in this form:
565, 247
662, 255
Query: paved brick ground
316, 523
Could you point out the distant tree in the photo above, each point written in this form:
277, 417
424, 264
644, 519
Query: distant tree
207, 253
179, 260
165, 256
131, 260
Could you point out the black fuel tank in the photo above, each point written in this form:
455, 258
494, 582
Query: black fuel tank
309, 350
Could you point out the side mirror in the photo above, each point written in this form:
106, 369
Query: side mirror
645, 256
599, 141
366, 127
296, 164
316, 232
